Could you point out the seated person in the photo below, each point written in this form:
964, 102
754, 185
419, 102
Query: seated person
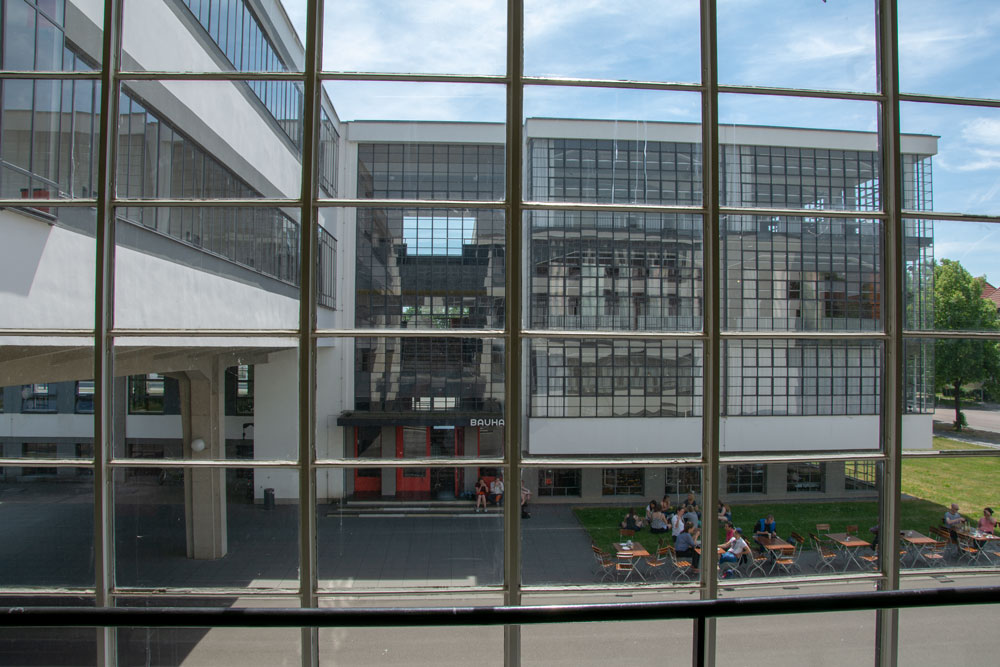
650, 508
658, 522
766, 525
677, 523
496, 491
724, 513
987, 523
735, 548
693, 503
481, 490
691, 515
525, 497
953, 521
665, 506
631, 521
686, 542
728, 526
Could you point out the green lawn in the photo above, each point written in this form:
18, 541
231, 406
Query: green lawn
931, 484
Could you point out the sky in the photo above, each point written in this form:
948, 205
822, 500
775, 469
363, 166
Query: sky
816, 44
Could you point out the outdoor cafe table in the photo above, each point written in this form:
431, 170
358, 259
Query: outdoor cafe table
775, 546
636, 551
849, 545
915, 543
981, 538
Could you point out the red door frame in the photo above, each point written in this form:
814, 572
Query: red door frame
412, 482
369, 484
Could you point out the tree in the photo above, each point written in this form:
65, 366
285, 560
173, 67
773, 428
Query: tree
960, 306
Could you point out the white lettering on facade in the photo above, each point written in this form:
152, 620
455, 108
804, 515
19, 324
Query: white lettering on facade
486, 422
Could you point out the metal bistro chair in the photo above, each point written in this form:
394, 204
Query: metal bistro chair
934, 553
786, 563
624, 565
968, 548
757, 560
657, 563
824, 553
605, 564
822, 528
682, 568
851, 530
626, 533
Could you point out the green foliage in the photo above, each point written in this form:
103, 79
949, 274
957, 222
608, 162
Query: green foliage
959, 306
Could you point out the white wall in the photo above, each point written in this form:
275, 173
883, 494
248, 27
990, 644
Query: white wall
158, 293
46, 275
276, 419
738, 434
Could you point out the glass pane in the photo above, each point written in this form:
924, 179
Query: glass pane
410, 646
966, 143
46, 264
48, 514
422, 38
783, 153
227, 268
215, 646
48, 646
812, 45
443, 382
204, 399
622, 40
440, 102
799, 518
801, 395
949, 500
47, 405
199, 527
801, 274
622, 115
655, 383
947, 53
410, 527
828, 639
422, 268
919, 630
564, 509
209, 35
219, 144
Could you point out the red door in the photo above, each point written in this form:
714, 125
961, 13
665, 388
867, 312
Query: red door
367, 444
413, 442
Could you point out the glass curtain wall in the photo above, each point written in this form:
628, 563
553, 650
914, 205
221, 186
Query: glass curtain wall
519, 323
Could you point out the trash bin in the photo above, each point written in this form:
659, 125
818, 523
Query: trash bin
269, 499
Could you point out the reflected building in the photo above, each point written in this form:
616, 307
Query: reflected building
642, 272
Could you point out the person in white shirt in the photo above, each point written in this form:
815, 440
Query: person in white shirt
677, 523
496, 491
735, 547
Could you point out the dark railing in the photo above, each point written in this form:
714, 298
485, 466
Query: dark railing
198, 617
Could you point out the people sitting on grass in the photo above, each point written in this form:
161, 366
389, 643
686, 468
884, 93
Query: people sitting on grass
690, 514
650, 508
632, 521
691, 501
665, 506
724, 513
987, 524
657, 522
686, 543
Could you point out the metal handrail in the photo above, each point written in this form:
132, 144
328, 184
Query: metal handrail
198, 617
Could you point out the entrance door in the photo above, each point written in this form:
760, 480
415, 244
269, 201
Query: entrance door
413, 442
444, 481
367, 444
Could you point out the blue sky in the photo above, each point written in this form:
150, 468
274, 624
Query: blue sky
787, 43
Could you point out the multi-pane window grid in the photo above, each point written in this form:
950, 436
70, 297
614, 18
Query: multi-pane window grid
746, 478
622, 482
559, 482
615, 171
615, 271
428, 374
805, 477
801, 377
682, 480
614, 378
860, 475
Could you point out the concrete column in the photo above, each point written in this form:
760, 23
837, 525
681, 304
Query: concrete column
202, 394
